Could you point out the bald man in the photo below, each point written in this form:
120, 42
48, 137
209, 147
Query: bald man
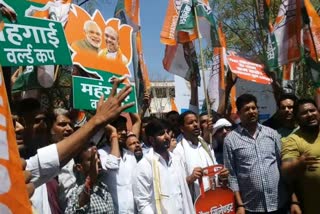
113, 51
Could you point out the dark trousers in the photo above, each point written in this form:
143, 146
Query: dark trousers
281, 211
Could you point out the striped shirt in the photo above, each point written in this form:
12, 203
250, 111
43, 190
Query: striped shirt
254, 165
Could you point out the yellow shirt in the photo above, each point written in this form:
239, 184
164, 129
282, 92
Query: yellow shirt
308, 186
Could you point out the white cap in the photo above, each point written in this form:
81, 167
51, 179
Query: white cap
220, 124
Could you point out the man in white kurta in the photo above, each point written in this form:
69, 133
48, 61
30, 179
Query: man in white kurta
194, 156
195, 153
119, 178
160, 185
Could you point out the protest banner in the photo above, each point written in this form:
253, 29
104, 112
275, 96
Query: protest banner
13, 192
215, 199
247, 70
101, 50
31, 40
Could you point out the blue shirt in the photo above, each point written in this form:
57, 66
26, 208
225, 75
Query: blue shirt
254, 165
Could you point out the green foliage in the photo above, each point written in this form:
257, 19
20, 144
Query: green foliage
245, 35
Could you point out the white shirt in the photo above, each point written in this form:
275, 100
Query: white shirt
44, 165
194, 156
119, 178
170, 188
67, 181
40, 200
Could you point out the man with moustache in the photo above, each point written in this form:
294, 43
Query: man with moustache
252, 154
160, 185
300, 156
133, 145
195, 153
283, 121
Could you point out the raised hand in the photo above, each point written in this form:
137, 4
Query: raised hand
108, 110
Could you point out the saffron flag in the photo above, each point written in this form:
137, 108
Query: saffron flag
180, 27
284, 40
13, 192
312, 32
169, 35
288, 77
216, 86
181, 60
128, 11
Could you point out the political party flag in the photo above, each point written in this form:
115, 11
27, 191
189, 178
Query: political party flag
216, 86
311, 31
173, 105
181, 60
187, 20
263, 11
13, 192
288, 77
169, 35
284, 40
34, 78
54, 10
128, 11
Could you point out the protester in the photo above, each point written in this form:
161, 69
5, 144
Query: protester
90, 195
19, 131
146, 146
48, 160
120, 172
300, 156
220, 130
194, 153
283, 120
134, 146
252, 154
206, 124
60, 124
160, 185
172, 118
35, 134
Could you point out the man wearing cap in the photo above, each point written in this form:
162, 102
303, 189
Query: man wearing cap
220, 130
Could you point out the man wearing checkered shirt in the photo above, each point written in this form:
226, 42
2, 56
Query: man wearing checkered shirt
90, 195
252, 155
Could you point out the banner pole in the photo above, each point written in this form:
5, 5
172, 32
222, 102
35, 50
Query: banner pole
202, 67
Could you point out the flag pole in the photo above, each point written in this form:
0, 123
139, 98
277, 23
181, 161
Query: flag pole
202, 68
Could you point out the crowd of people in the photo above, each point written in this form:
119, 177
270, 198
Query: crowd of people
125, 163
154, 165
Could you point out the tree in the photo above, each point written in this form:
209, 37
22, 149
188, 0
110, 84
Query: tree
245, 35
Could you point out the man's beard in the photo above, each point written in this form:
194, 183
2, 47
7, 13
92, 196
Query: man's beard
163, 147
138, 156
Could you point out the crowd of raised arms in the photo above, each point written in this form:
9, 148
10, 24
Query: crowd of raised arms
120, 162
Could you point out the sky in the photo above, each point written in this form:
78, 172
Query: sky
152, 13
